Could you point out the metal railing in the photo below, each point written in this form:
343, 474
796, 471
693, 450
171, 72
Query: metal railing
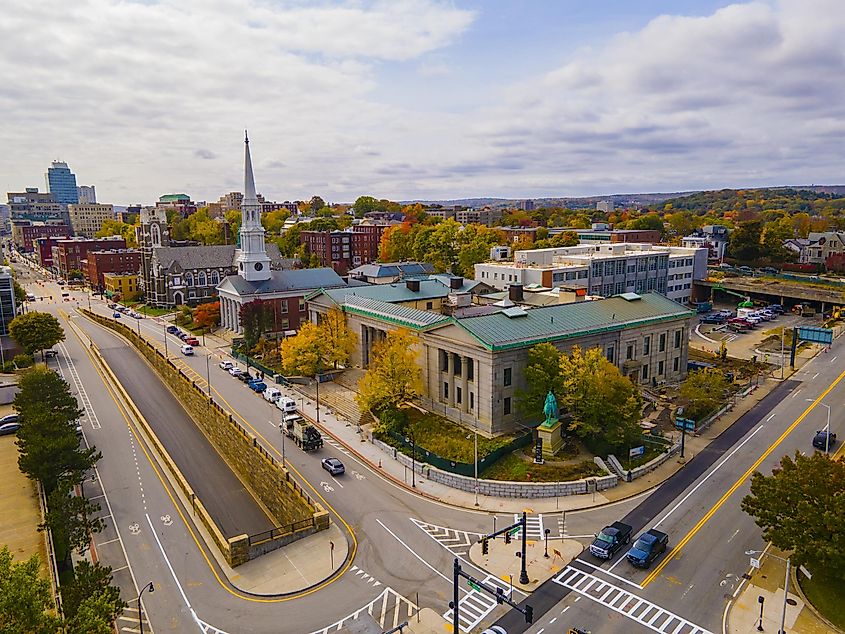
280, 531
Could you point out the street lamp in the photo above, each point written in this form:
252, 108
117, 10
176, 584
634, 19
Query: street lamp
547, 531
826, 427
782, 629
410, 439
208, 374
152, 589
164, 328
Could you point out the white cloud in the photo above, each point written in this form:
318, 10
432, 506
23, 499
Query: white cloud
127, 92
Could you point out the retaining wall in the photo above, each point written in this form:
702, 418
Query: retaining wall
500, 488
264, 477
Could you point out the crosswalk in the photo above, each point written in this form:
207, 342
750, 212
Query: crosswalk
335, 445
626, 603
474, 606
455, 541
388, 610
130, 621
537, 524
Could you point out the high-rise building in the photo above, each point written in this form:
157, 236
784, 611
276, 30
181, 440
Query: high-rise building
87, 220
87, 194
61, 182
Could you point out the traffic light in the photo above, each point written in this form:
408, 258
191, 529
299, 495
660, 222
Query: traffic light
500, 595
529, 614
507, 538
485, 547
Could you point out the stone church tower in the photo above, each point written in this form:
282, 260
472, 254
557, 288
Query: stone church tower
151, 233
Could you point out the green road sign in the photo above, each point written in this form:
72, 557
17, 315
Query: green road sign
474, 586
514, 530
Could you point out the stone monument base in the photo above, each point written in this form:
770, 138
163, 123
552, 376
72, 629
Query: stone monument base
551, 437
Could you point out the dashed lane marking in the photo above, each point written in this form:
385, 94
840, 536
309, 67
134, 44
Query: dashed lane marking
365, 576
626, 603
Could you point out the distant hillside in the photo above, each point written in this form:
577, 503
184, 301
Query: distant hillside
814, 200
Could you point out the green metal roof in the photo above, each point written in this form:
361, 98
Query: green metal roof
172, 198
393, 313
564, 321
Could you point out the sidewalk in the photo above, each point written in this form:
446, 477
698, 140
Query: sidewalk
743, 615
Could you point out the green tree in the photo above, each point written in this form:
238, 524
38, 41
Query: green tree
703, 391
745, 241
94, 616
49, 447
256, 319
542, 375
541, 234
91, 580
801, 508
774, 235
317, 203
340, 341
601, 402
364, 205
20, 293
116, 228
72, 516
393, 377
474, 244
305, 353
25, 597
36, 331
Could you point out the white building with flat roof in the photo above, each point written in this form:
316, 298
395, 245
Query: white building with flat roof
603, 269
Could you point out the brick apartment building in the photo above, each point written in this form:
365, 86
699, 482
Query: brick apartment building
68, 254
347, 249
112, 261
43, 249
24, 233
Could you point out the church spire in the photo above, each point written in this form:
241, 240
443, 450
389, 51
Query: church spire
253, 262
249, 180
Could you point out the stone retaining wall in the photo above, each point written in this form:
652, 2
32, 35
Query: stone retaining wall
264, 477
500, 488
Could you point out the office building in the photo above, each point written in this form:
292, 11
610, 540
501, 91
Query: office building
487, 217
35, 206
87, 219
180, 203
123, 284
606, 206
25, 232
112, 261
8, 305
87, 194
68, 254
603, 269
61, 182
346, 249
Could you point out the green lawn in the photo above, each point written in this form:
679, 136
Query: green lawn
449, 440
827, 594
149, 311
516, 468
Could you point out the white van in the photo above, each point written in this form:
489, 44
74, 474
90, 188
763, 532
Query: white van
187, 350
286, 404
272, 394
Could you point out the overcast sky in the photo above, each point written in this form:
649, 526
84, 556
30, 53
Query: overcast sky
422, 99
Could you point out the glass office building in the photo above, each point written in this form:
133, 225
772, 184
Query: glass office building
61, 182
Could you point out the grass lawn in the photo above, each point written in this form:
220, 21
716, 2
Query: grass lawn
827, 595
516, 468
149, 311
449, 440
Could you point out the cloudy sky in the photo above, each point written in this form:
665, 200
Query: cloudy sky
422, 98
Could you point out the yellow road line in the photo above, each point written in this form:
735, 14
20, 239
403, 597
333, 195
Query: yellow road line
177, 506
654, 573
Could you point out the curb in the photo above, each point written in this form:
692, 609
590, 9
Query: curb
816, 613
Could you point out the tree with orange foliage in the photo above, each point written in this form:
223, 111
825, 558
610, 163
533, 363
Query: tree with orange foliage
207, 315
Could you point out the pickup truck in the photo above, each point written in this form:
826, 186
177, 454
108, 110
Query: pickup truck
257, 385
610, 539
647, 548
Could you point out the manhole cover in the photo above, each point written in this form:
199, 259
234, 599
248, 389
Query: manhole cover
792, 602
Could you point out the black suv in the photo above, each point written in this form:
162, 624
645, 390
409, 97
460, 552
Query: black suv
824, 440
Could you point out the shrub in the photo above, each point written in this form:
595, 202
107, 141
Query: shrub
23, 360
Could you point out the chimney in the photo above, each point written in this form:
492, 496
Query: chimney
515, 292
413, 285
456, 282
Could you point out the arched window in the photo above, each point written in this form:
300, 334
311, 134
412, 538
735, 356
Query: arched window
215, 278
189, 279
155, 235
201, 279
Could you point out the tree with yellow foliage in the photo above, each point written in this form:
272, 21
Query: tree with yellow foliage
339, 340
305, 354
393, 377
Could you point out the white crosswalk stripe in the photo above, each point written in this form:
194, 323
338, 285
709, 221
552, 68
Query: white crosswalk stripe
388, 610
455, 541
533, 524
331, 441
366, 576
474, 606
626, 603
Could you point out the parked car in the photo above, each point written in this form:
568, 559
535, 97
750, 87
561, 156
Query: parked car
116, 315
182, 335
9, 428
713, 319
746, 270
77, 428
647, 548
172, 330
51, 353
824, 440
257, 385
333, 466
192, 341
187, 350
286, 404
9, 418
770, 269
235, 370
112, 306
246, 377
226, 365
272, 394
777, 308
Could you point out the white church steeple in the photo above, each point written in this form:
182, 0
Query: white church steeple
253, 262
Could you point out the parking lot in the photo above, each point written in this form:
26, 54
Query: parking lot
745, 345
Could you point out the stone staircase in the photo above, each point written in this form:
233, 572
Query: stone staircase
339, 397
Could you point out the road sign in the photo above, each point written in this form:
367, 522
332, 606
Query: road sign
636, 451
815, 335
474, 586
685, 424
805, 571
514, 530
755, 563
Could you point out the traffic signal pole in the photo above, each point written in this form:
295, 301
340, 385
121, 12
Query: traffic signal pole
497, 593
507, 531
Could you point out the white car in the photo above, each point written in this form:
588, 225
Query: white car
235, 371
272, 394
226, 365
187, 350
286, 404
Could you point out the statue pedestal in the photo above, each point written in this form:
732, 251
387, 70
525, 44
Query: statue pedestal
551, 437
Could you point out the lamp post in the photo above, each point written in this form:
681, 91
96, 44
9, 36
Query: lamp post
761, 600
410, 439
547, 531
826, 427
164, 328
208, 374
152, 589
782, 629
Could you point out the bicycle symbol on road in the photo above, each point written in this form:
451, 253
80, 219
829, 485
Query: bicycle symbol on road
167, 520
358, 476
134, 528
326, 487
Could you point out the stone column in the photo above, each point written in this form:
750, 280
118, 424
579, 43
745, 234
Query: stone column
450, 376
464, 384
